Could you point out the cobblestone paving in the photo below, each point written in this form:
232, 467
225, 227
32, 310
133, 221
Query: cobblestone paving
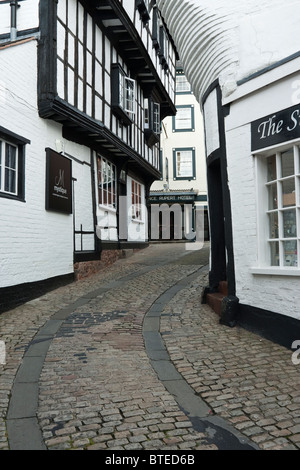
98, 384
248, 380
98, 390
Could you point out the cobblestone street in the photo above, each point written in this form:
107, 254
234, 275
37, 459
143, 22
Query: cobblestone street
129, 359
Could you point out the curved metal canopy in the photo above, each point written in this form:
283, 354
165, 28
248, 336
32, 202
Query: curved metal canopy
230, 40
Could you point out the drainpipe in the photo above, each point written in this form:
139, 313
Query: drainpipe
13, 19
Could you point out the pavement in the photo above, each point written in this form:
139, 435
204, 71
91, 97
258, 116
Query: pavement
130, 359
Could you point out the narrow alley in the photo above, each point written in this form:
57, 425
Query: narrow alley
130, 359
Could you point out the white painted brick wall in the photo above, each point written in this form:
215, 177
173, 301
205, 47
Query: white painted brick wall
279, 294
35, 244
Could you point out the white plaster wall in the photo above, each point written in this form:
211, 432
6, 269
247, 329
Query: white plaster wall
211, 123
27, 16
274, 293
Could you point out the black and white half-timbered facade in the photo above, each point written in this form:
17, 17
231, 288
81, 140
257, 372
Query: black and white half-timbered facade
84, 86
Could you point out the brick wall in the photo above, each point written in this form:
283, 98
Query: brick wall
86, 269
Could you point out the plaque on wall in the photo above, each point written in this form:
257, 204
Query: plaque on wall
58, 182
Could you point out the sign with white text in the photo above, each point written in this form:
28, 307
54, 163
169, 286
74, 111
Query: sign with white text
58, 182
276, 128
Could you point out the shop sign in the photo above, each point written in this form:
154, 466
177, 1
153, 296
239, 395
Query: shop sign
276, 128
172, 198
58, 182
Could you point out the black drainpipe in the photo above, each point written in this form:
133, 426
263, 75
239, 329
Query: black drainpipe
13, 19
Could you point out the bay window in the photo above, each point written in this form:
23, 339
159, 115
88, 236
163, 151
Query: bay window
279, 178
152, 121
123, 95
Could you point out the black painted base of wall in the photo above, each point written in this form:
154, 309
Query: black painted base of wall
275, 327
11, 297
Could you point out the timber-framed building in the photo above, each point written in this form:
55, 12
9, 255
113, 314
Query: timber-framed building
84, 85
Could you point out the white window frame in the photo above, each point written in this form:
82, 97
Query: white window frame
128, 92
182, 84
123, 95
136, 201
103, 185
264, 211
152, 115
184, 119
179, 167
156, 118
4, 168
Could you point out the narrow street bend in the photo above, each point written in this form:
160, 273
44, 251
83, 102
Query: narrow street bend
129, 359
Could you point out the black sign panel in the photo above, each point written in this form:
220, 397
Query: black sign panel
58, 182
276, 128
172, 198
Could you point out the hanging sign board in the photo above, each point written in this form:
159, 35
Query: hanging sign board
276, 128
58, 182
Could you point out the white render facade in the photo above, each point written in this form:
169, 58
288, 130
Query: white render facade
244, 67
78, 89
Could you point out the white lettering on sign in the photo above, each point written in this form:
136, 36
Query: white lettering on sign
270, 127
294, 119
273, 126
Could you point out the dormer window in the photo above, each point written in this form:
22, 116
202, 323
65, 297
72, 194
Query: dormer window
123, 95
143, 7
152, 121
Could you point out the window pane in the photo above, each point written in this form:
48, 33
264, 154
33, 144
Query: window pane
129, 95
274, 251
287, 163
121, 89
289, 224
10, 157
147, 116
182, 85
156, 118
107, 182
183, 118
184, 164
105, 196
273, 199
274, 231
100, 180
272, 168
288, 193
290, 253
10, 181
